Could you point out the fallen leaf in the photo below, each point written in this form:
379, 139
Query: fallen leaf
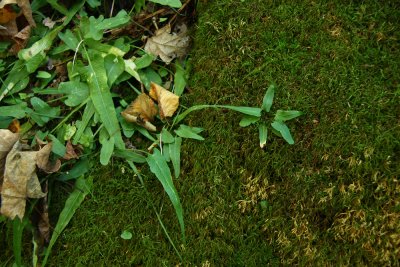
7, 14
14, 126
42, 159
20, 39
141, 111
168, 45
168, 102
7, 141
70, 152
20, 181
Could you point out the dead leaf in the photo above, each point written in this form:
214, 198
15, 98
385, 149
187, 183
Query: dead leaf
168, 102
141, 111
70, 153
10, 30
20, 181
49, 23
44, 222
14, 126
7, 141
42, 159
168, 45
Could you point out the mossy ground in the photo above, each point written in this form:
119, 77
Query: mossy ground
332, 198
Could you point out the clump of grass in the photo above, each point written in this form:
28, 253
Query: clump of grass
332, 198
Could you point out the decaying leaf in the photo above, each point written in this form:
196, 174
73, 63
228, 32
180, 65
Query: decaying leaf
168, 102
14, 126
7, 141
70, 151
10, 30
141, 111
168, 45
20, 178
48, 22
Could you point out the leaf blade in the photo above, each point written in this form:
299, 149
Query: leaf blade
283, 130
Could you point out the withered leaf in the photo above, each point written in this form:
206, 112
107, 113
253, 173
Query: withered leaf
20, 178
70, 152
168, 102
168, 45
7, 141
141, 111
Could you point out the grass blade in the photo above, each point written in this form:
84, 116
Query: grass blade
188, 132
107, 148
18, 229
283, 130
160, 168
82, 188
247, 120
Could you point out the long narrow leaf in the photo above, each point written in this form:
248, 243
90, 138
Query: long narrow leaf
129, 155
82, 188
251, 111
102, 99
106, 151
285, 115
18, 229
87, 115
283, 130
160, 168
263, 134
268, 98
188, 132
175, 155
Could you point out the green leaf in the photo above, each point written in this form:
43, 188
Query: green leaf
115, 66
43, 75
16, 111
130, 155
81, 126
13, 84
82, 188
58, 148
263, 135
93, 28
18, 229
165, 152
171, 3
283, 130
105, 48
165, 136
188, 132
256, 112
247, 120
93, 3
130, 67
79, 169
126, 235
285, 115
268, 98
106, 151
175, 155
149, 75
102, 99
144, 61
70, 40
160, 168
77, 92
43, 112
179, 80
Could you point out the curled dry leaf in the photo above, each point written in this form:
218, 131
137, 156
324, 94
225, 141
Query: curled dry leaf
168, 102
20, 178
141, 111
70, 152
9, 28
168, 45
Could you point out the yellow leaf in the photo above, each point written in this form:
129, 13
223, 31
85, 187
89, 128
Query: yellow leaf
141, 111
168, 102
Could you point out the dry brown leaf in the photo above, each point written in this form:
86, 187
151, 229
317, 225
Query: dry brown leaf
168, 45
168, 102
7, 141
20, 181
141, 111
14, 126
9, 28
42, 159
70, 153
